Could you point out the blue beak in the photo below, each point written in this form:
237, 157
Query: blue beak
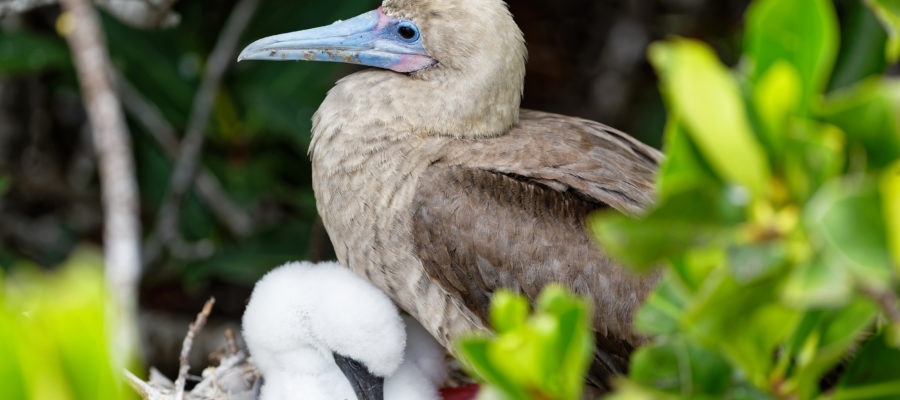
372, 39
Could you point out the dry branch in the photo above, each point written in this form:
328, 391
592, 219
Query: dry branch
147, 114
137, 13
234, 378
121, 234
189, 154
184, 366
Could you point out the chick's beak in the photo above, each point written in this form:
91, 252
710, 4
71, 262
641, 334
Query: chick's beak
369, 39
366, 385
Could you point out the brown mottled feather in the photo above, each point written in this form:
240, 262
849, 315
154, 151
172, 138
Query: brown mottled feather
510, 212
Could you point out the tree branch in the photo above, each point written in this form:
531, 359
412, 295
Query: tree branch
188, 156
137, 13
147, 114
121, 234
183, 365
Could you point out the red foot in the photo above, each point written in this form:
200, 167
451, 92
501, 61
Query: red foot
467, 392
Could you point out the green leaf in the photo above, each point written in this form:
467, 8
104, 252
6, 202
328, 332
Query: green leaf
5, 183
846, 227
663, 310
823, 339
508, 311
818, 282
867, 113
888, 12
473, 353
545, 356
776, 98
890, 202
814, 155
700, 90
862, 47
684, 220
683, 168
679, 367
801, 32
873, 374
26, 52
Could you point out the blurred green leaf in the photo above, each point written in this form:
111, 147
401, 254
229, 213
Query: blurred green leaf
682, 221
684, 168
867, 113
543, 357
800, 32
862, 47
890, 196
776, 98
888, 12
873, 374
814, 154
5, 183
818, 282
663, 309
699, 89
681, 368
508, 311
54, 331
26, 52
847, 228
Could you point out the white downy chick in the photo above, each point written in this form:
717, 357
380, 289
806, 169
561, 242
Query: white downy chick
302, 313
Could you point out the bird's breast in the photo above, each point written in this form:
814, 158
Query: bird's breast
364, 189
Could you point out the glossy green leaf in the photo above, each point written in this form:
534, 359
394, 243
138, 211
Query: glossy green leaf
888, 12
700, 90
803, 33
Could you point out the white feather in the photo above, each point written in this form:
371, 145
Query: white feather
300, 313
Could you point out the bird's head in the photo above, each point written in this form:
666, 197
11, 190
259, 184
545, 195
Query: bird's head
462, 51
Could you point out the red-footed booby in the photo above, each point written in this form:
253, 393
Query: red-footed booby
434, 186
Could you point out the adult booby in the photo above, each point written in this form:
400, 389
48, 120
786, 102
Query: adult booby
434, 185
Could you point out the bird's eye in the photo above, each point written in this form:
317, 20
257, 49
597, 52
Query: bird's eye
408, 31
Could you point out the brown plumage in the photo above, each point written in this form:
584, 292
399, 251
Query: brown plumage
437, 189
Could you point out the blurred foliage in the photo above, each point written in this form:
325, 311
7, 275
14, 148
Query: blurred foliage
541, 356
55, 334
778, 216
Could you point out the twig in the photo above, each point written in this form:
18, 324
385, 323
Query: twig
183, 365
230, 342
147, 114
191, 146
887, 300
121, 233
137, 13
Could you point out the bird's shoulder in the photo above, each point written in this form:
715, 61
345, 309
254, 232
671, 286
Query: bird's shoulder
597, 163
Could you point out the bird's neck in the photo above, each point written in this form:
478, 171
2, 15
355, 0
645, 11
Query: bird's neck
477, 107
